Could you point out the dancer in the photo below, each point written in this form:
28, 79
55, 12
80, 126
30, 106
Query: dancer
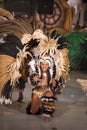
45, 88
47, 76
78, 13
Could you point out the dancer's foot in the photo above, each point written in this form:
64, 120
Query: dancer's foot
29, 111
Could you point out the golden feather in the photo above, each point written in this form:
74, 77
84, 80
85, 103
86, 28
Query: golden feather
5, 62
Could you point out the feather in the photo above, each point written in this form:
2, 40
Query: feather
9, 44
83, 83
5, 61
6, 15
12, 60
18, 27
39, 45
49, 47
14, 68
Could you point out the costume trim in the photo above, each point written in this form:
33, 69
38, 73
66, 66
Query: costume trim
48, 105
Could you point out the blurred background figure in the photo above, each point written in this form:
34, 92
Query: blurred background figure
78, 12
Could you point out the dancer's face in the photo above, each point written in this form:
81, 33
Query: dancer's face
44, 66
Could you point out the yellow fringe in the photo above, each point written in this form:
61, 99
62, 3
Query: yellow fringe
5, 62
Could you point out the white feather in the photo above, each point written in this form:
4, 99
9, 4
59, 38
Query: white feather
38, 34
26, 38
14, 68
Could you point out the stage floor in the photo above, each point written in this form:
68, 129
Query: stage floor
71, 112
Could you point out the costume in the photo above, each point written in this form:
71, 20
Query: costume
12, 54
41, 86
50, 53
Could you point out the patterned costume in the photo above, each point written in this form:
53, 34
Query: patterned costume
40, 87
53, 53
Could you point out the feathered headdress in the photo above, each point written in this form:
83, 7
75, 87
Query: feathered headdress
40, 47
52, 48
